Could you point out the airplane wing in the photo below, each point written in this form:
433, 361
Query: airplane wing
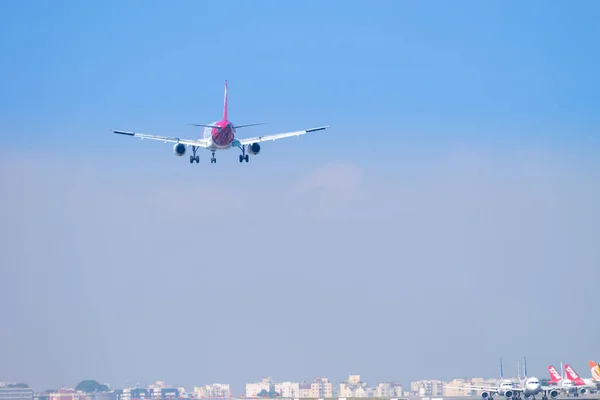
488, 388
276, 136
190, 142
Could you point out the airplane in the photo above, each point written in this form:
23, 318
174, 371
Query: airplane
221, 135
580, 383
595, 369
505, 387
530, 387
566, 385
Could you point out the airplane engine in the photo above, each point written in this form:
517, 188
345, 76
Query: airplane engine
179, 149
582, 391
508, 394
485, 395
254, 148
553, 393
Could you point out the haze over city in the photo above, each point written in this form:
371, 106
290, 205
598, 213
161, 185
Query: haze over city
448, 218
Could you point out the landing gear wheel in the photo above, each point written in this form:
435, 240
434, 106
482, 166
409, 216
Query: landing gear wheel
194, 157
241, 158
246, 158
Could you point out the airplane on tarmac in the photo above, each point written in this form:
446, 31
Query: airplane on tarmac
530, 387
221, 135
505, 388
566, 385
578, 381
595, 369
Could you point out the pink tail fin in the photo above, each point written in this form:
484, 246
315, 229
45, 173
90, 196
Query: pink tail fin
225, 104
554, 375
572, 375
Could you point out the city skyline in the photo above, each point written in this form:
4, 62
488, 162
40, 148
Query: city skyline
448, 218
280, 387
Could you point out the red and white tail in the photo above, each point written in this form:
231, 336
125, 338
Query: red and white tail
554, 374
225, 104
572, 375
595, 368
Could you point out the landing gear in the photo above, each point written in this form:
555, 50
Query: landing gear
243, 156
213, 159
194, 157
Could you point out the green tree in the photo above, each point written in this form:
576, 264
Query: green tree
90, 386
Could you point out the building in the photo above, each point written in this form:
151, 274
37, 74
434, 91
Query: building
354, 387
112, 395
69, 394
15, 392
305, 390
253, 389
216, 390
389, 389
288, 389
135, 394
321, 387
427, 388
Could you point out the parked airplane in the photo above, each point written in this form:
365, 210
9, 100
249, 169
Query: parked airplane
566, 385
582, 385
530, 387
595, 369
220, 135
505, 387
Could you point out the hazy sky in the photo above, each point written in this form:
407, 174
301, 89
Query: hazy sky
449, 218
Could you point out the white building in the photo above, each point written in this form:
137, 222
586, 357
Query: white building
10, 392
321, 387
253, 389
305, 390
427, 388
389, 389
217, 390
353, 387
288, 389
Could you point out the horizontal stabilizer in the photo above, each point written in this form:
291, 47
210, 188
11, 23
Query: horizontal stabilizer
243, 126
205, 126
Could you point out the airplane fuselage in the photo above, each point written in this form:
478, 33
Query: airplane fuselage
221, 135
532, 387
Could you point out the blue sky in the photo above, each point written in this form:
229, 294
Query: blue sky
460, 177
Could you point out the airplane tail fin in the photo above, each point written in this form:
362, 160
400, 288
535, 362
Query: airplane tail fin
572, 375
225, 104
524, 368
554, 375
501, 372
595, 368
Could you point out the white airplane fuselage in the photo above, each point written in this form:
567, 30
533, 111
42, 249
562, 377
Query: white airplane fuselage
506, 388
533, 386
